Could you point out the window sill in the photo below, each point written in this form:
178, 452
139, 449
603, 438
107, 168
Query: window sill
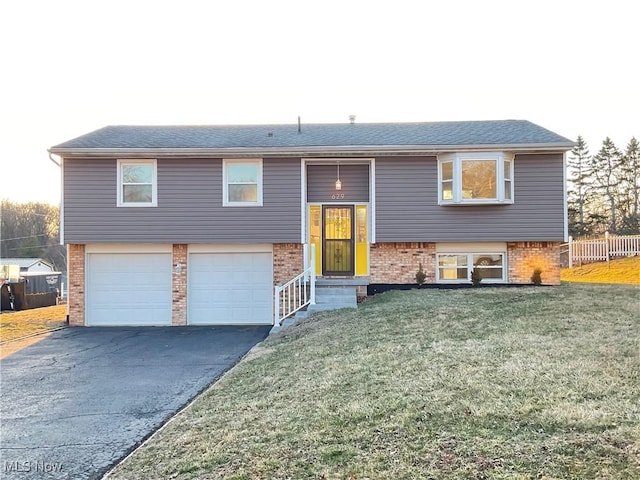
475, 202
242, 204
136, 205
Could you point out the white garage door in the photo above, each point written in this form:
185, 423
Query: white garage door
128, 289
229, 288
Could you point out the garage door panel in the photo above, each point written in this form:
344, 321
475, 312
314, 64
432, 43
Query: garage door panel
263, 277
128, 289
129, 316
230, 288
261, 297
244, 261
243, 277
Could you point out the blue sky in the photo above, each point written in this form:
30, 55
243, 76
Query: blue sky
75, 66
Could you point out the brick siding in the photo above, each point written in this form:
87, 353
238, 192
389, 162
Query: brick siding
287, 261
179, 285
389, 263
399, 262
76, 297
524, 257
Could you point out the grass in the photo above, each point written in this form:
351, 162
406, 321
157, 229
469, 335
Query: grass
624, 270
500, 383
15, 325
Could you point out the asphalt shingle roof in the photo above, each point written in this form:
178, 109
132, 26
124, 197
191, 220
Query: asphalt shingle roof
431, 134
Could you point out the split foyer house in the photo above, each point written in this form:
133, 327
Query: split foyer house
191, 225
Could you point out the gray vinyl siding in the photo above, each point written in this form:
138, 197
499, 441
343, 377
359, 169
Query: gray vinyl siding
321, 183
407, 207
189, 205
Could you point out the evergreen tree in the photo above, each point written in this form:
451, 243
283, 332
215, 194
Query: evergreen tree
630, 175
579, 188
605, 168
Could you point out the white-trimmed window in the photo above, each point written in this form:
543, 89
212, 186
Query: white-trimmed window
456, 261
137, 183
242, 182
457, 267
475, 178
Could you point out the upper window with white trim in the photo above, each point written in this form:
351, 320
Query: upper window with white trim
137, 183
475, 178
242, 182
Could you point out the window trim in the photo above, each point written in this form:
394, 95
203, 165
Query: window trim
456, 159
154, 182
225, 185
470, 266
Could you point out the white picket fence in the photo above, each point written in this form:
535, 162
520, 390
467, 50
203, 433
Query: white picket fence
601, 249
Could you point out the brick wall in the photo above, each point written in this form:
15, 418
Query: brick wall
287, 261
76, 268
179, 285
525, 257
398, 262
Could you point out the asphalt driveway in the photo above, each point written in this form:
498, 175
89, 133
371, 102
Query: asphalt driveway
75, 403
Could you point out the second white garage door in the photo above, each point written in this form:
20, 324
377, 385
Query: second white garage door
230, 288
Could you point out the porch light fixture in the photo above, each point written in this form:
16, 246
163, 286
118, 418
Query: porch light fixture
338, 182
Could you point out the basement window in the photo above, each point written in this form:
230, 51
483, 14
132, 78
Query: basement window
457, 267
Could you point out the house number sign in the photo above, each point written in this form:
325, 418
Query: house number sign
337, 196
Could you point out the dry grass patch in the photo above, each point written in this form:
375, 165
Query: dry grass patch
479, 383
15, 325
624, 270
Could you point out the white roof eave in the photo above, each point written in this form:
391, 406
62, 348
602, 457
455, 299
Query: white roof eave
305, 151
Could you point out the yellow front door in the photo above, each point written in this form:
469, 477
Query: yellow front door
359, 238
338, 252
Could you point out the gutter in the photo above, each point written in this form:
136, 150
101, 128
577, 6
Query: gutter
307, 151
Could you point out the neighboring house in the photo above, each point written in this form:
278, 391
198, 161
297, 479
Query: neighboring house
29, 265
195, 224
24, 280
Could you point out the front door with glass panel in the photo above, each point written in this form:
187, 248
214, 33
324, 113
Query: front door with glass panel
337, 240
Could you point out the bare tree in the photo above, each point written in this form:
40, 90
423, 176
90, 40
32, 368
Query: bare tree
31, 230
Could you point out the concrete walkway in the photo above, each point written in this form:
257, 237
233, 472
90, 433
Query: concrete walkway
78, 401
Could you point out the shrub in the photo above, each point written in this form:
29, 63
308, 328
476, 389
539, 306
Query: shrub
476, 277
536, 278
420, 275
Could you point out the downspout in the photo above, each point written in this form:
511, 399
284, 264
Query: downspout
565, 197
60, 220
61, 212
53, 159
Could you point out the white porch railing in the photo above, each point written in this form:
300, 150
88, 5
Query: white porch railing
298, 292
595, 250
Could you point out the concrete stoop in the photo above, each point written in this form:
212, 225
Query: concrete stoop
331, 298
327, 298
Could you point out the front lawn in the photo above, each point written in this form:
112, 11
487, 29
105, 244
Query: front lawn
478, 383
621, 270
23, 323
